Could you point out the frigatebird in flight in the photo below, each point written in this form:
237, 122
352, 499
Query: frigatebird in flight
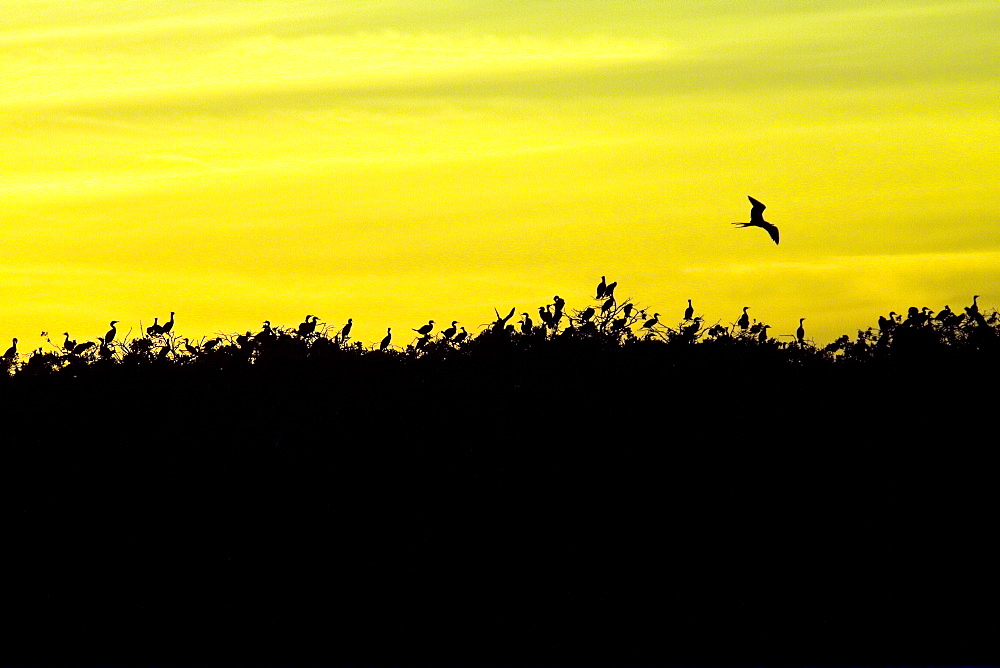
757, 219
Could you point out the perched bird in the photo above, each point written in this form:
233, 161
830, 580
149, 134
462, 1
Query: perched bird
168, 325
608, 305
649, 324
627, 310
757, 219
744, 320
601, 287
306, 327
110, 336
386, 339
192, 350
800, 333
609, 292
211, 344
762, 337
83, 347
104, 351
943, 313
974, 309
587, 314
346, 331
689, 311
154, 329
558, 302
450, 332
526, 324
460, 336
425, 329
11, 352
67, 344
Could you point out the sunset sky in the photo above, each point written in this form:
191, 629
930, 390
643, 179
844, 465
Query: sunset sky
394, 162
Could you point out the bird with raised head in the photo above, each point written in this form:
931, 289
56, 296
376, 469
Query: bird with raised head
744, 320
689, 311
424, 330
800, 333
386, 339
110, 336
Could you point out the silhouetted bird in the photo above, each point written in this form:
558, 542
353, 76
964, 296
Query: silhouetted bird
154, 329
425, 329
422, 341
104, 351
450, 332
67, 344
689, 311
83, 347
974, 309
188, 347
587, 314
211, 344
608, 305
693, 328
610, 290
757, 219
501, 322
460, 336
526, 324
306, 327
885, 325
744, 320
110, 336
601, 287
168, 325
243, 340
386, 339
649, 324
627, 310
265, 334
944, 313
762, 336
11, 352
545, 315
558, 302
800, 333
346, 331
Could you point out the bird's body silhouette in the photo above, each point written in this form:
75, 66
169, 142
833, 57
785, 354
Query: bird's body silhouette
425, 329
154, 329
757, 219
744, 320
346, 331
601, 287
110, 336
800, 333
11, 352
609, 292
67, 344
168, 325
526, 324
689, 311
83, 347
460, 336
451, 331
649, 324
386, 339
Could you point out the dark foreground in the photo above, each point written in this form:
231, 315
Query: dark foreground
582, 507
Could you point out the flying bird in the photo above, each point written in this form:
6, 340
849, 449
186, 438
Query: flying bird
757, 219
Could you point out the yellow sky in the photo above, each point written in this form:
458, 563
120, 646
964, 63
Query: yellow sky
394, 162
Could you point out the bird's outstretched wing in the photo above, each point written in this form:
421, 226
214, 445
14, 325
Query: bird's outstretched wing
756, 211
771, 229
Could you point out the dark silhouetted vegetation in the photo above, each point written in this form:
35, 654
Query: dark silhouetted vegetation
574, 485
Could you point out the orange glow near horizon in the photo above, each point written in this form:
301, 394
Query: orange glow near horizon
397, 162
